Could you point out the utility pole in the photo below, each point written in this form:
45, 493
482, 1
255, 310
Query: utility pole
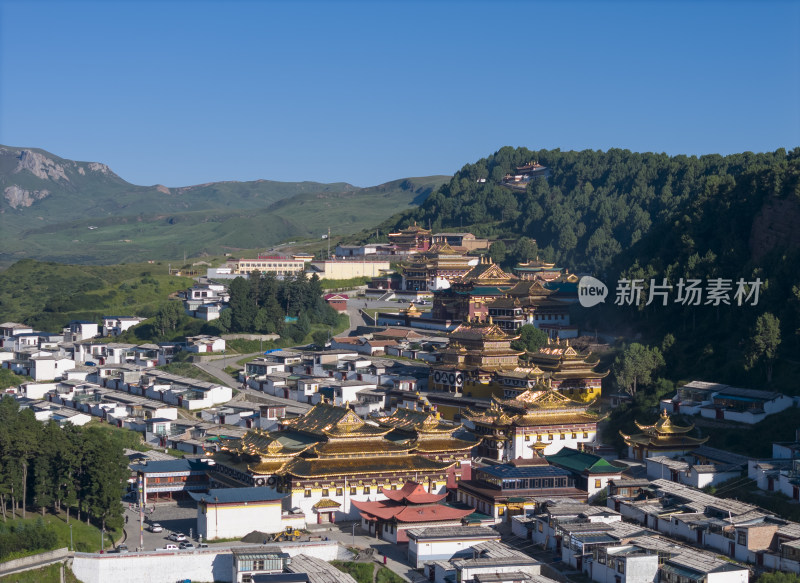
329, 242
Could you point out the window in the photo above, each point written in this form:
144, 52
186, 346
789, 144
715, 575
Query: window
541, 527
352, 490
563, 436
598, 484
380, 490
339, 491
620, 567
501, 510
307, 493
538, 438
742, 537
366, 489
574, 435
527, 438
394, 486
324, 491
586, 435
550, 436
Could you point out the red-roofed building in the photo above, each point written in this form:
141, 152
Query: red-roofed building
410, 507
336, 301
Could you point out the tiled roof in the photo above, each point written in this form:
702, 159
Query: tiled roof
234, 495
509, 471
168, 466
321, 468
414, 493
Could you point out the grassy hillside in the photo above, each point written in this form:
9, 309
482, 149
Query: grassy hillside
61, 210
50, 295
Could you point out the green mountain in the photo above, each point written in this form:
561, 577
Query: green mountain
620, 214
81, 212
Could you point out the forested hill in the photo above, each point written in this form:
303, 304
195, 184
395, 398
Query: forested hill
594, 205
624, 214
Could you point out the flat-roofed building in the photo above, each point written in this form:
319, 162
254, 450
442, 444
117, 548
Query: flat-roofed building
442, 543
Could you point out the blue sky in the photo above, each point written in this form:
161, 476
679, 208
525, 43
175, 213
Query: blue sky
185, 92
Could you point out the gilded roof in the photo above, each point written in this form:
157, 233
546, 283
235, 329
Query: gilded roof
480, 331
319, 418
437, 445
415, 421
348, 447
261, 443
486, 271
362, 466
664, 426
541, 398
667, 442
527, 288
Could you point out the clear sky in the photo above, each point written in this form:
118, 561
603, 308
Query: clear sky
182, 92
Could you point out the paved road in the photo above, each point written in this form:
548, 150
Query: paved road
216, 368
396, 555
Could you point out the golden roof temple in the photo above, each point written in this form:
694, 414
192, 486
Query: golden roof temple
468, 296
569, 372
441, 261
541, 417
432, 436
330, 443
661, 438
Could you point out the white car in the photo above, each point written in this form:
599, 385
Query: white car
177, 537
156, 527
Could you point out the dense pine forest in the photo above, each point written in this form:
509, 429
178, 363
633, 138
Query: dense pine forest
79, 472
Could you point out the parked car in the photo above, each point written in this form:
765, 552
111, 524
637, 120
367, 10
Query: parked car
156, 527
177, 537
169, 548
202, 546
122, 549
186, 545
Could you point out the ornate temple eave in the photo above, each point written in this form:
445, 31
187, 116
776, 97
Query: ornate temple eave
357, 467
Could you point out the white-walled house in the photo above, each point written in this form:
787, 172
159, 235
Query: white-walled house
442, 543
236, 512
116, 325
204, 344
46, 367
81, 330
723, 402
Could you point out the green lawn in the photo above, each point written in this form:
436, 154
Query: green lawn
49, 574
85, 537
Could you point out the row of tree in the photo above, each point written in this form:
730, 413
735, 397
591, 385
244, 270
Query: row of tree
263, 303
45, 466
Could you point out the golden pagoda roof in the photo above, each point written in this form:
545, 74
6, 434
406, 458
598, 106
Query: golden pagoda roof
261, 443
529, 288
540, 397
326, 503
664, 426
351, 426
319, 418
487, 272
481, 331
344, 448
439, 444
412, 420
663, 442
362, 466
